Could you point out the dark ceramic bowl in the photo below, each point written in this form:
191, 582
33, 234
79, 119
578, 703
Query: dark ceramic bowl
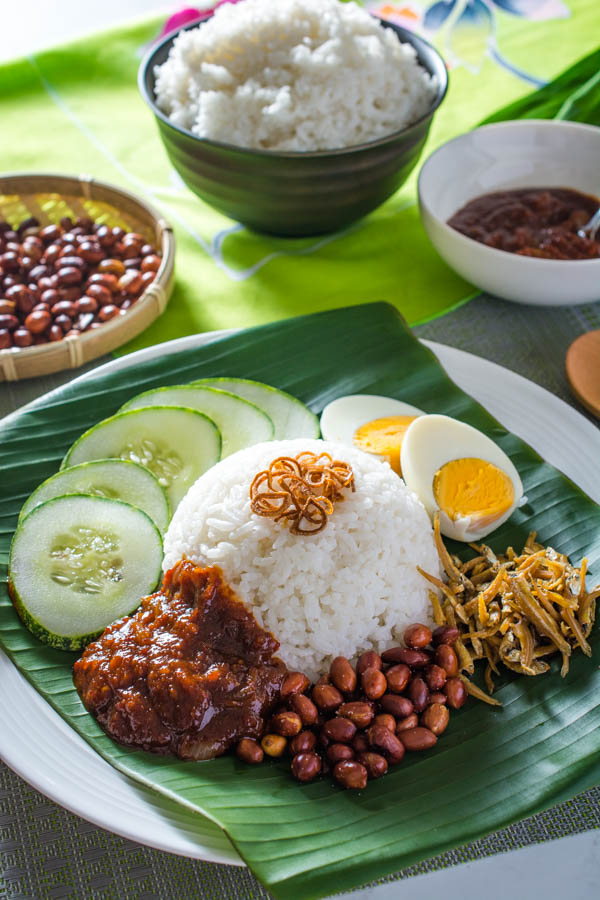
292, 193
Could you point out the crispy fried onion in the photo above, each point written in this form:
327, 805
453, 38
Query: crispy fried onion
515, 609
301, 490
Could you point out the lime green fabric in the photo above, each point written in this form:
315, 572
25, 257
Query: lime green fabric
76, 109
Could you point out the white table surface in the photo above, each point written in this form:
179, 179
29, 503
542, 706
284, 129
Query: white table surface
569, 867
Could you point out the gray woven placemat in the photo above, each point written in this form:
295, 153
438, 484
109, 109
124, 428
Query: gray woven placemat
47, 853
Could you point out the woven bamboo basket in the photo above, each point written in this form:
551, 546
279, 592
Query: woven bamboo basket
49, 197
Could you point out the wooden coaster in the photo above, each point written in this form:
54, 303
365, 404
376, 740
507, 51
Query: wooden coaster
583, 370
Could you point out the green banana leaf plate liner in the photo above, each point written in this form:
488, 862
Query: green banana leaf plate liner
492, 766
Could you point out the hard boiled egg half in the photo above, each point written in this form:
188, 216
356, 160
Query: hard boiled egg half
373, 423
458, 470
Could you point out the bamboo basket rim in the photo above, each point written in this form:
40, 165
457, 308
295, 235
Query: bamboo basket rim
72, 352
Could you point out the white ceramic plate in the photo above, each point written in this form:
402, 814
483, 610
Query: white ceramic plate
39, 746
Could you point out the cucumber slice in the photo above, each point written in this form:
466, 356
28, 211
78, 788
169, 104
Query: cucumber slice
176, 444
241, 423
77, 563
118, 479
290, 416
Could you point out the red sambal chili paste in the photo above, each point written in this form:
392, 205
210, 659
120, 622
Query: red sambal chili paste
540, 222
190, 673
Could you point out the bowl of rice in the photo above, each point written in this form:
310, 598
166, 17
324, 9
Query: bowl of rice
354, 586
293, 117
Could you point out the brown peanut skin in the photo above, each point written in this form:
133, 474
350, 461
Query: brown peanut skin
455, 692
417, 739
375, 764
286, 723
373, 683
436, 718
417, 636
415, 659
418, 693
305, 708
360, 743
343, 675
387, 720
437, 697
397, 706
304, 742
382, 739
306, 766
397, 678
249, 751
350, 775
445, 634
409, 722
446, 658
360, 712
368, 660
335, 753
339, 730
294, 683
435, 677
327, 697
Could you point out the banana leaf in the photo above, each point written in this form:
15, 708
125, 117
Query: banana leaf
490, 768
573, 95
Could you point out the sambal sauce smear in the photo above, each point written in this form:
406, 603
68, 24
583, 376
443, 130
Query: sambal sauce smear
540, 222
190, 673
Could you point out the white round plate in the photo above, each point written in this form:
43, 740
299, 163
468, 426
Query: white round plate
42, 749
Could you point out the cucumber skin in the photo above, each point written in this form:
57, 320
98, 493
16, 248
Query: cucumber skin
65, 642
71, 644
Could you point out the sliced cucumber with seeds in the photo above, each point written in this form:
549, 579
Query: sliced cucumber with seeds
291, 418
240, 422
77, 563
118, 479
175, 443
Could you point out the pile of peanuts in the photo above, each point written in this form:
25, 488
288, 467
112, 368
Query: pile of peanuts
64, 279
358, 722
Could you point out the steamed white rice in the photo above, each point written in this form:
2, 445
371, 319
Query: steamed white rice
351, 587
292, 75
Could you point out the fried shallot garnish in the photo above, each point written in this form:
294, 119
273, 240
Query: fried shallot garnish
301, 490
513, 609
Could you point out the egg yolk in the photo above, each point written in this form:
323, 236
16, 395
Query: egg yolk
473, 488
384, 437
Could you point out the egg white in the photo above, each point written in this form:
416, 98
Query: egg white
432, 441
341, 418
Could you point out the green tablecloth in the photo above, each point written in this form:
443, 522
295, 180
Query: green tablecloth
77, 109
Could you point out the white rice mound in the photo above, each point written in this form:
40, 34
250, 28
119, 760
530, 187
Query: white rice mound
351, 587
292, 75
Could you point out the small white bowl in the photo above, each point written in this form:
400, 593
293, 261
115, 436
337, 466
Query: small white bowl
528, 153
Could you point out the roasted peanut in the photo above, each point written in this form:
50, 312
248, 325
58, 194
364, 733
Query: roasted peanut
417, 636
375, 764
339, 730
273, 744
447, 659
456, 693
359, 743
342, 675
445, 634
294, 683
436, 718
397, 678
350, 774
408, 722
418, 693
398, 706
306, 766
437, 697
417, 739
249, 751
435, 677
416, 659
373, 683
304, 742
368, 660
385, 719
286, 723
382, 739
335, 753
327, 697
37, 321
358, 711
305, 708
